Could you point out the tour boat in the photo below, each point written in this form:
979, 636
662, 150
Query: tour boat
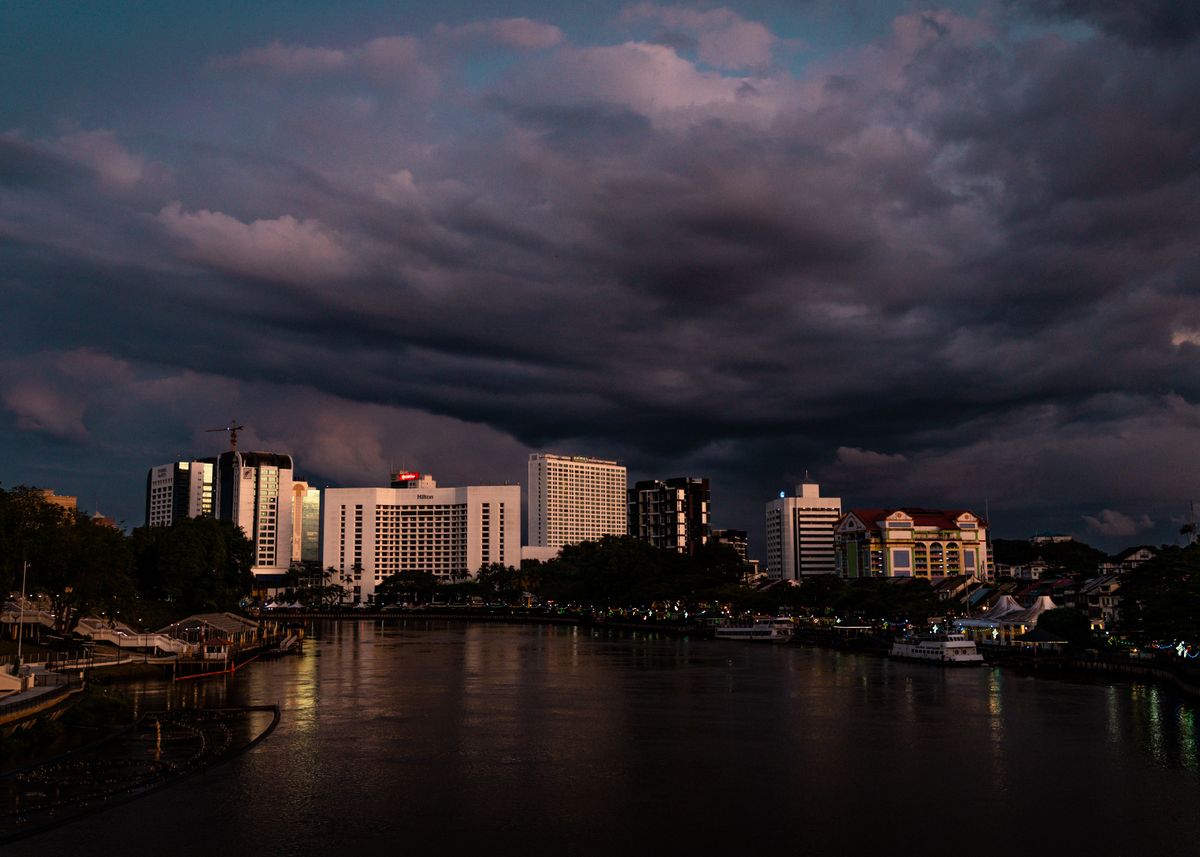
761, 629
947, 649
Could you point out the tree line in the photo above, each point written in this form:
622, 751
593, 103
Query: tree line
80, 566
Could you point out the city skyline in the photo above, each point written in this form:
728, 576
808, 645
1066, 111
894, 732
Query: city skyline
939, 256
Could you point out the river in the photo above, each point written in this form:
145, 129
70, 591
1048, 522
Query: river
453, 738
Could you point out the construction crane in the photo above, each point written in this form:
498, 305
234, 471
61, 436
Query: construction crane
233, 428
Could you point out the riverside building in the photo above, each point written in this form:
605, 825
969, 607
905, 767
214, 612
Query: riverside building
369, 534
254, 491
181, 489
306, 522
672, 514
912, 542
800, 533
574, 499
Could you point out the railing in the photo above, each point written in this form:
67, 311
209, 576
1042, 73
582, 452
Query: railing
160, 642
27, 617
29, 703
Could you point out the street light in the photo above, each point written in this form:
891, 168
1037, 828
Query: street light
21, 614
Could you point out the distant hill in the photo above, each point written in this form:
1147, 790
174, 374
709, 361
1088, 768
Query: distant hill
1069, 557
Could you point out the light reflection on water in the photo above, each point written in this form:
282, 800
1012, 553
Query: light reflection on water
549, 738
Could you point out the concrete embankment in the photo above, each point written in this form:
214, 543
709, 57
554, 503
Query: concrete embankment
1181, 676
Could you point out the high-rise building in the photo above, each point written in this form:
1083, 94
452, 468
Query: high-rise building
672, 514
800, 533
182, 489
254, 490
739, 540
910, 542
306, 523
574, 499
370, 534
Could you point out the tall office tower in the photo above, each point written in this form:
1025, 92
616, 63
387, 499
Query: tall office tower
306, 522
182, 489
370, 534
254, 490
800, 533
672, 514
573, 499
739, 540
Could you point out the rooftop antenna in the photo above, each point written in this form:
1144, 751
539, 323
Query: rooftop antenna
233, 428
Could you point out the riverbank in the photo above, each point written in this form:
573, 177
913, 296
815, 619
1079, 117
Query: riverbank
1170, 671
485, 614
858, 641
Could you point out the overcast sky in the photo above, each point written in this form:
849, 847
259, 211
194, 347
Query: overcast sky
935, 255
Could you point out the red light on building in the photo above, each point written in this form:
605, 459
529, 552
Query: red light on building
407, 476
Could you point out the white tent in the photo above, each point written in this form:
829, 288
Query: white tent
1008, 617
1029, 617
1005, 605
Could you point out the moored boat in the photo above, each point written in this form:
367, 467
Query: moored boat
946, 649
761, 629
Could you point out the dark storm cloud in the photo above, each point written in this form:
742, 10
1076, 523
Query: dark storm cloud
22, 164
949, 265
1172, 23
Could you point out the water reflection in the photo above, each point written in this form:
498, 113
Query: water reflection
549, 738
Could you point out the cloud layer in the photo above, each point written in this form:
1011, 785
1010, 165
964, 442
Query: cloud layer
953, 263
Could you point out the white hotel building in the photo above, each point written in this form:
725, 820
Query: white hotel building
574, 499
369, 534
800, 532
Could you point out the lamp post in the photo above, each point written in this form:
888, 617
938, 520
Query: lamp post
21, 613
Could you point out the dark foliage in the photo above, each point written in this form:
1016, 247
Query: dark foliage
1071, 558
1161, 597
1073, 625
84, 567
199, 564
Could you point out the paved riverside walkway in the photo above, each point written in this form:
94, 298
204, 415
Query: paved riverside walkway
24, 704
46, 686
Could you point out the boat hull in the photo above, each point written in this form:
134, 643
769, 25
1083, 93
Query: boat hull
938, 661
951, 650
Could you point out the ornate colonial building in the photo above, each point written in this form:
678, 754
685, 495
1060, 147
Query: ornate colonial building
910, 542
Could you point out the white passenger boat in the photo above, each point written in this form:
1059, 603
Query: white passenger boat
760, 629
947, 649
